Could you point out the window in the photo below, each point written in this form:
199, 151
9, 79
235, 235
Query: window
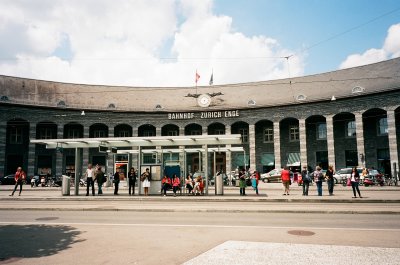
99, 133
245, 135
294, 133
219, 131
382, 126
73, 133
195, 132
149, 158
268, 135
45, 133
351, 129
172, 133
123, 133
147, 133
15, 135
321, 131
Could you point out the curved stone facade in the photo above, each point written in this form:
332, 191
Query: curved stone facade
344, 118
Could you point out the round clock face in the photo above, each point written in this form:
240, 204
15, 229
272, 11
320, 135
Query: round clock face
204, 100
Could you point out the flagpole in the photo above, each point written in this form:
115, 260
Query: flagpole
196, 81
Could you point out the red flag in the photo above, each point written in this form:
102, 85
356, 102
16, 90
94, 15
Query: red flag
197, 77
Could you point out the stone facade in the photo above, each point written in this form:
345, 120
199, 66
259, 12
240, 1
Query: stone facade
359, 127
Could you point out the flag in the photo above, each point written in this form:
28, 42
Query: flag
211, 79
197, 77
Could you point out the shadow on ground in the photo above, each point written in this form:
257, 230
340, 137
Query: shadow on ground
33, 241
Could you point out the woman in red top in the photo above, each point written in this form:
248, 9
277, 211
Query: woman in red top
176, 183
19, 177
285, 175
165, 184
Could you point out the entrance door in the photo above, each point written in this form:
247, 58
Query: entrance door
351, 158
14, 161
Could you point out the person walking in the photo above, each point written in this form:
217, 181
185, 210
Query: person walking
116, 182
285, 176
89, 175
19, 178
330, 180
355, 179
305, 177
318, 177
175, 184
145, 179
100, 178
132, 180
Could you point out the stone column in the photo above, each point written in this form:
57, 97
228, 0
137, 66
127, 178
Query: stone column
85, 155
360, 139
252, 146
330, 141
59, 155
277, 144
392, 137
204, 130
228, 154
3, 141
158, 131
303, 142
181, 131
31, 150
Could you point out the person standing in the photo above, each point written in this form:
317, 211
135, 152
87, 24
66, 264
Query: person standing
242, 183
255, 177
19, 178
330, 180
318, 177
285, 176
116, 182
100, 178
145, 178
132, 180
175, 184
306, 180
355, 179
89, 174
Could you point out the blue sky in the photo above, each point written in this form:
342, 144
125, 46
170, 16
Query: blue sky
299, 24
164, 42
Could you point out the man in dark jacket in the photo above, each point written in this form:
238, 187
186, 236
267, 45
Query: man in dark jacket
305, 177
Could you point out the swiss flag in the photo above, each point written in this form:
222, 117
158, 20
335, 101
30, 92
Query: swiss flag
197, 77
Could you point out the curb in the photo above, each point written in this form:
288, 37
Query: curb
200, 199
163, 210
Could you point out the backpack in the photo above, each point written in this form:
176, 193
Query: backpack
307, 178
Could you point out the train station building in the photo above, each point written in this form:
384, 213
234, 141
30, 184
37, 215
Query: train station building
343, 118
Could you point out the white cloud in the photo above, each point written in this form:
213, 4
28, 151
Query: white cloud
123, 42
390, 49
392, 42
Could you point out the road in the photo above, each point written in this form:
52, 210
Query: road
143, 237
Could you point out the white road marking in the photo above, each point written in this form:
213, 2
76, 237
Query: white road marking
203, 226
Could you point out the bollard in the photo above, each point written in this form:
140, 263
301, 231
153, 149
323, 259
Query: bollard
65, 189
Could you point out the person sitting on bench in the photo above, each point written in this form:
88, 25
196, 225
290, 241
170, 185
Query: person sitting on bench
176, 183
198, 186
189, 184
165, 184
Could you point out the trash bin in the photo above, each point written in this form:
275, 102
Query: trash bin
219, 185
65, 189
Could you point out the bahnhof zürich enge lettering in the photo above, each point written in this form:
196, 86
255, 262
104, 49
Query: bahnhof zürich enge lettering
203, 115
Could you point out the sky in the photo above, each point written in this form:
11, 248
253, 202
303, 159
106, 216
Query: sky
163, 43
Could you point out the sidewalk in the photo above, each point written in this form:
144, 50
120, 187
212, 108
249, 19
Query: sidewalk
376, 200
269, 192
